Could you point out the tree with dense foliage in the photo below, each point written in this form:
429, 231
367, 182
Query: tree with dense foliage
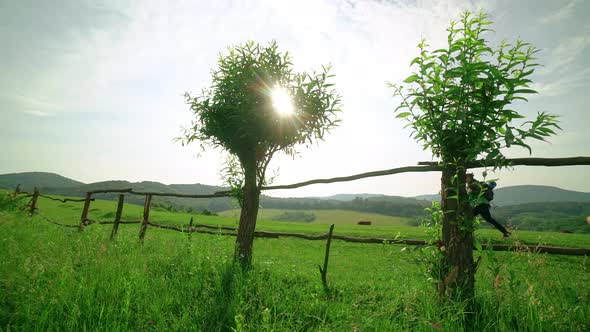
256, 107
458, 105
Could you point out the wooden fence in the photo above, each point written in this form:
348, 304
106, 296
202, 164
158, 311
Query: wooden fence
231, 231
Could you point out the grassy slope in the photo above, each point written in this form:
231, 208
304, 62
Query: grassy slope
58, 278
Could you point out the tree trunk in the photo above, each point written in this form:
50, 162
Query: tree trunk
458, 277
248, 215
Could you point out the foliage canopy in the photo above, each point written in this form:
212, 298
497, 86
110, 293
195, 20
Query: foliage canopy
237, 111
458, 103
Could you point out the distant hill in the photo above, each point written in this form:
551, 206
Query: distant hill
373, 197
50, 181
516, 195
553, 216
56, 184
39, 179
532, 194
349, 197
430, 197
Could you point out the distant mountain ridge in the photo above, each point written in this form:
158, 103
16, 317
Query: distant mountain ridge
349, 197
29, 180
57, 184
44, 181
381, 197
51, 183
524, 194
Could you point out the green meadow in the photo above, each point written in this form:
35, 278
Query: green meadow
56, 278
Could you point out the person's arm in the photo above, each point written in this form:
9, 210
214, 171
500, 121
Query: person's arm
474, 187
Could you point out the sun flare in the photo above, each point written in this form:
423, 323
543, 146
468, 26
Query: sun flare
281, 101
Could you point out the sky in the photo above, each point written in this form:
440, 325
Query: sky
93, 90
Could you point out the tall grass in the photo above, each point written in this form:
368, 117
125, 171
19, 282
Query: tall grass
11, 203
54, 278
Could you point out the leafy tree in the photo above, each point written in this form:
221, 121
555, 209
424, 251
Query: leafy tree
459, 106
258, 106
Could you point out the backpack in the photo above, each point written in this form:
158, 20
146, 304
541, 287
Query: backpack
489, 190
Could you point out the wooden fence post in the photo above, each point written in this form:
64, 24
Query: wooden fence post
324, 270
118, 216
34, 201
84, 215
146, 216
190, 229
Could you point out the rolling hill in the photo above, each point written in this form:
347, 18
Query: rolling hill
40, 179
350, 197
515, 195
55, 184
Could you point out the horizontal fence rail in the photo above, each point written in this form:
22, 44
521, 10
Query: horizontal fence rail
232, 231
145, 193
65, 200
547, 162
356, 177
434, 166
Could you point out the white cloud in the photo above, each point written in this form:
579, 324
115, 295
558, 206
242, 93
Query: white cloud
563, 84
567, 52
37, 113
563, 13
132, 68
564, 69
23, 102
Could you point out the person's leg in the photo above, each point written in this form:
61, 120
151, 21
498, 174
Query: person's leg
476, 210
484, 211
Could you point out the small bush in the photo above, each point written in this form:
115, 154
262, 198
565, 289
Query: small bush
108, 215
208, 213
414, 222
10, 202
295, 216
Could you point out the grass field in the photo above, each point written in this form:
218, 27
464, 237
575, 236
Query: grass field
56, 278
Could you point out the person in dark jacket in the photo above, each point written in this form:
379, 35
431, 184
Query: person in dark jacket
480, 204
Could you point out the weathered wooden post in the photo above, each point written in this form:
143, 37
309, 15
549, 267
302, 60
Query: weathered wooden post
118, 216
84, 215
146, 216
190, 229
324, 270
34, 201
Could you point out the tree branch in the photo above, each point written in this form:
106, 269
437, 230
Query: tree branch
358, 176
433, 166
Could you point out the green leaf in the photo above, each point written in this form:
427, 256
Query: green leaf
477, 244
403, 115
411, 78
525, 91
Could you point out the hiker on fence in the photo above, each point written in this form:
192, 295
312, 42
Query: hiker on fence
480, 195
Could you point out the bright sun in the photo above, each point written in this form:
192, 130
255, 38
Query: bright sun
281, 101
